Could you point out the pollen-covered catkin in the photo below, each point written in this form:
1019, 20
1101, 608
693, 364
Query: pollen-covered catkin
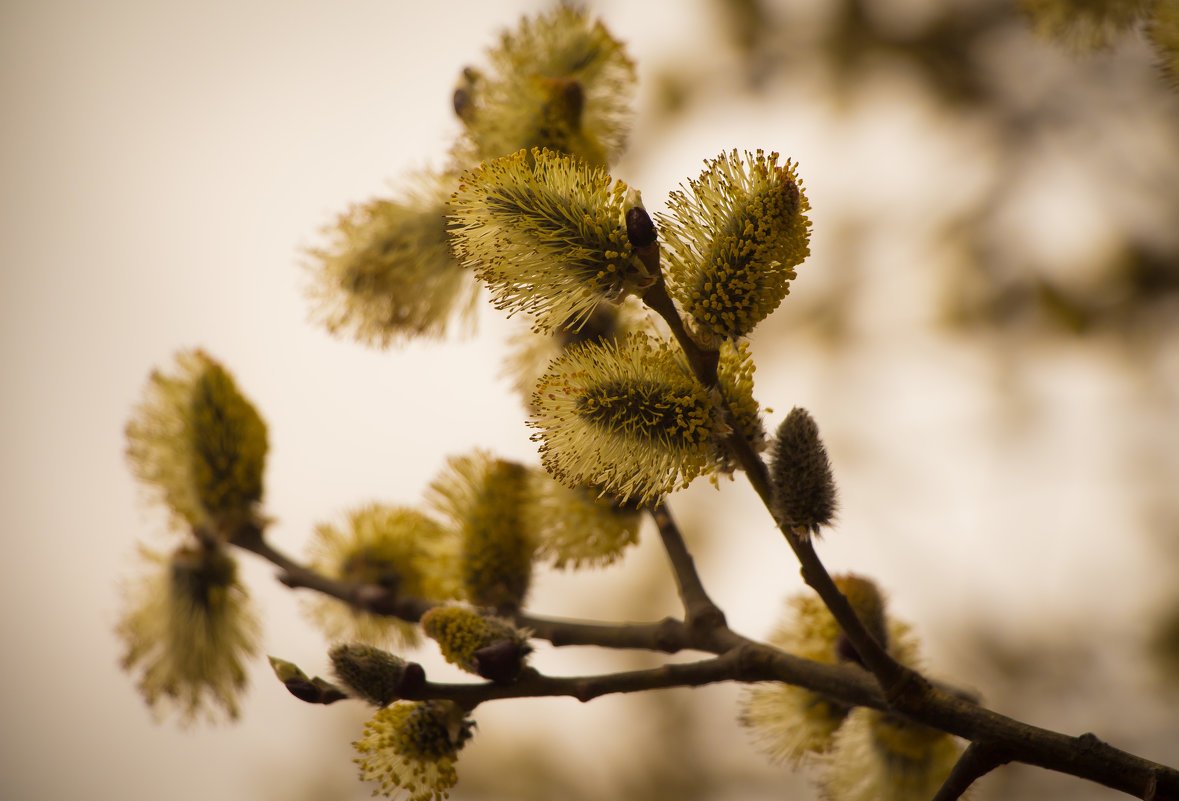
546, 233
199, 446
409, 749
386, 274
189, 629
559, 80
482, 497
626, 417
479, 644
734, 237
398, 548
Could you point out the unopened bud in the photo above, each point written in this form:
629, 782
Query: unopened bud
306, 689
286, 670
373, 675
464, 94
640, 228
801, 473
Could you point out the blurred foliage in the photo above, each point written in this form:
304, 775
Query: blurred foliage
1071, 233
1105, 122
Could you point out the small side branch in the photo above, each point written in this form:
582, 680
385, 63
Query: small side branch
668, 635
368, 597
699, 609
976, 761
533, 684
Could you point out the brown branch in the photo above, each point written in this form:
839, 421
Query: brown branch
747, 663
533, 684
703, 362
699, 609
368, 597
668, 635
895, 679
741, 659
976, 761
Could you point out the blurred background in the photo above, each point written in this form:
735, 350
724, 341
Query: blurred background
987, 333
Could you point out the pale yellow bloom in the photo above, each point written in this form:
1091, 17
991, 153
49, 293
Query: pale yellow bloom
387, 274
409, 749
391, 546
734, 237
793, 723
188, 630
559, 81
577, 526
482, 498
879, 757
626, 418
545, 232
199, 446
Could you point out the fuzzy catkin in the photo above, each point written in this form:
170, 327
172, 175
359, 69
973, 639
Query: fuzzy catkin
801, 473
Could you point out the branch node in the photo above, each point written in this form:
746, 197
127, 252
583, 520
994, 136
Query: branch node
669, 635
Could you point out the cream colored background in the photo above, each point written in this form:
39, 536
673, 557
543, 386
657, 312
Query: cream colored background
164, 164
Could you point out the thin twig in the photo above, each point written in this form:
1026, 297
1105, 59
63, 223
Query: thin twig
976, 761
699, 609
368, 597
533, 684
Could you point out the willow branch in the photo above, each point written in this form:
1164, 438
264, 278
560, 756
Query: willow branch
533, 684
976, 761
703, 362
668, 635
699, 608
1086, 756
896, 680
367, 597
748, 664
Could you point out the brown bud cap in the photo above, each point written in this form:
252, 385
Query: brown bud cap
640, 229
413, 680
464, 94
501, 661
315, 691
801, 473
